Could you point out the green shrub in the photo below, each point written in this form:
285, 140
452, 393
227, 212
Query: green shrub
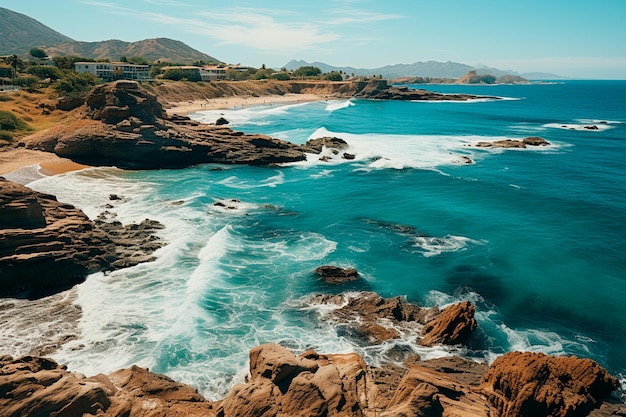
28, 81
9, 121
6, 136
75, 86
45, 71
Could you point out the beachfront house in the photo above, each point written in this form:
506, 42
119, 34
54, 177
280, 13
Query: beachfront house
110, 71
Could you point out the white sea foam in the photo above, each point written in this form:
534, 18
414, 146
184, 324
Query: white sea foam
338, 105
381, 151
432, 246
587, 127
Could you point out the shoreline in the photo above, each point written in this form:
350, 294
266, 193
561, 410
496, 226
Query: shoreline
15, 159
184, 108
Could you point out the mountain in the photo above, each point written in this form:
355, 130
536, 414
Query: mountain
432, 69
20, 33
159, 49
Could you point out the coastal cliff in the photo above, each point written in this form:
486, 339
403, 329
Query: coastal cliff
124, 125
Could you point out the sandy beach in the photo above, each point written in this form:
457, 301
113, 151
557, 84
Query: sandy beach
12, 159
238, 102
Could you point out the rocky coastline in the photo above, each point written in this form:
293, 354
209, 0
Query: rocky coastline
47, 246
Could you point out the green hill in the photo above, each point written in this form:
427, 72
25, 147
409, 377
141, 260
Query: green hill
19, 33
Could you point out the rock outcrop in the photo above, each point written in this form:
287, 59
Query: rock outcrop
511, 143
47, 246
371, 318
124, 125
336, 275
32, 386
281, 383
452, 326
534, 384
380, 90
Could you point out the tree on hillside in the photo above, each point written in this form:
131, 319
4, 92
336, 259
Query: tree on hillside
307, 71
139, 60
67, 62
334, 76
38, 53
15, 63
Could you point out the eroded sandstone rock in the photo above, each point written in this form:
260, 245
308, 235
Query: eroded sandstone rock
452, 326
534, 384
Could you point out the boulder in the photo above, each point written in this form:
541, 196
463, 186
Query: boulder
221, 121
318, 144
534, 384
336, 275
535, 141
452, 326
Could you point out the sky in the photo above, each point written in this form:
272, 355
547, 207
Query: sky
574, 38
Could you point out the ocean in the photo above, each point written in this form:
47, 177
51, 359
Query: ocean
533, 237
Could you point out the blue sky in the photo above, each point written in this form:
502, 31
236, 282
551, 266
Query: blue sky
580, 39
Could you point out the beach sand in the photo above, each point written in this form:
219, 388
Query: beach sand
13, 159
238, 102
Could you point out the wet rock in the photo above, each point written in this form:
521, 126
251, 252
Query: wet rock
47, 246
452, 326
535, 141
318, 144
511, 143
221, 121
336, 275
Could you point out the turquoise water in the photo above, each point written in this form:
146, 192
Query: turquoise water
533, 237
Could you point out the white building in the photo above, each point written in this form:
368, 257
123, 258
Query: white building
213, 72
109, 71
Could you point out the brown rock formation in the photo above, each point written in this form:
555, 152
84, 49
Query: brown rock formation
454, 325
379, 90
316, 145
32, 386
311, 384
125, 126
510, 143
335, 275
376, 319
47, 246
282, 384
534, 384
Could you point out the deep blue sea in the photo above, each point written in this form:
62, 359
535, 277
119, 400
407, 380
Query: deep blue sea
533, 237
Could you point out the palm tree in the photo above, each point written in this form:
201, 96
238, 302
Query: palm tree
14, 62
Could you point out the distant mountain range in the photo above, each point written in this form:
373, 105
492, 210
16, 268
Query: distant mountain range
20, 33
432, 69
